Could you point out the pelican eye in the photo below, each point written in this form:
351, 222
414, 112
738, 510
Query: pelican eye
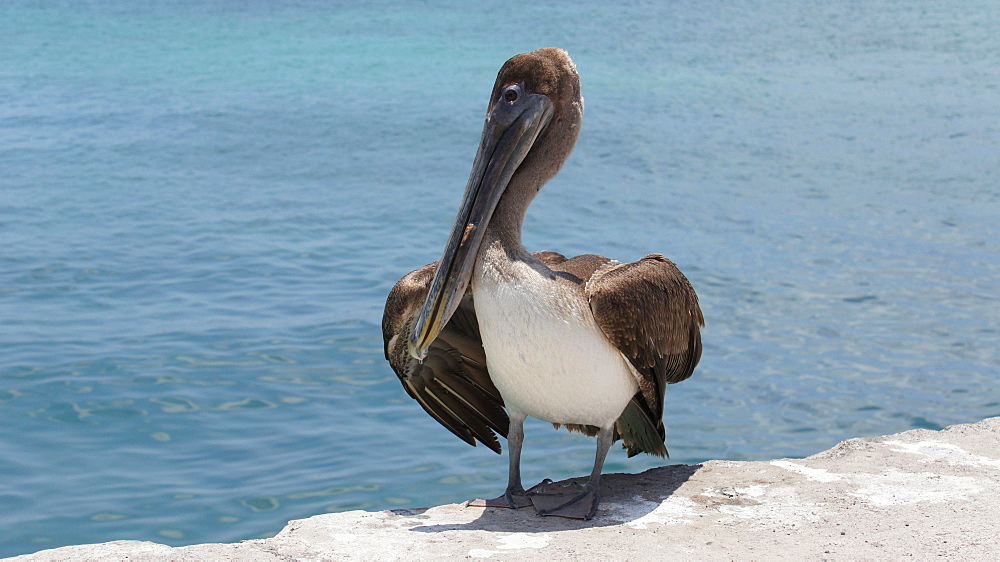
510, 94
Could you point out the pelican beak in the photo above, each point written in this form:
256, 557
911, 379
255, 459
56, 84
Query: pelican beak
510, 131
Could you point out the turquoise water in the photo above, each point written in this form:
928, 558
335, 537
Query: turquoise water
203, 206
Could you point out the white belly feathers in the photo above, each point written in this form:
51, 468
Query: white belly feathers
546, 355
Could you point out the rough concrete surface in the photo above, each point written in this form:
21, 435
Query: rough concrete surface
916, 495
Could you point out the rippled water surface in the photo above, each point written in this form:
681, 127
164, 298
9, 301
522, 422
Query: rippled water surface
203, 206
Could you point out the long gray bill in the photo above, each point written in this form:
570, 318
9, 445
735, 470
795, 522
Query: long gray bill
510, 131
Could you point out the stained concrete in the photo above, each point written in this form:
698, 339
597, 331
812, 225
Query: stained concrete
915, 495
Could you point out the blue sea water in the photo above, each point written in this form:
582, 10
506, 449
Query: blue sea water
204, 204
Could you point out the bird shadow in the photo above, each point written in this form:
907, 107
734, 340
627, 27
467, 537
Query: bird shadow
624, 498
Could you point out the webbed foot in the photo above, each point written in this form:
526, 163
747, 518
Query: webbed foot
509, 500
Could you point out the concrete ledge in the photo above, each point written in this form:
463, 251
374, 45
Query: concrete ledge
918, 494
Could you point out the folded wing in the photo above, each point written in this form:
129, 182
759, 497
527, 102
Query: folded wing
649, 311
452, 383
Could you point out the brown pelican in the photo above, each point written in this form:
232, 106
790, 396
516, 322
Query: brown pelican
588, 343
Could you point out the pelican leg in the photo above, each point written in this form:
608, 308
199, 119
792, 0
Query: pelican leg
514, 496
580, 503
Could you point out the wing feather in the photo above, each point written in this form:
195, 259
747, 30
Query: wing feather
452, 384
650, 312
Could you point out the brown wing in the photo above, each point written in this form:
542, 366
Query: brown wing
650, 312
452, 383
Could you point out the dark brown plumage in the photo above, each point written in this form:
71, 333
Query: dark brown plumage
452, 383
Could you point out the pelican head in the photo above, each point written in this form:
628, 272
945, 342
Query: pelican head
532, 123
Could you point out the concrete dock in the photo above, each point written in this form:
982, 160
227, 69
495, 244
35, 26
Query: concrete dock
914, 495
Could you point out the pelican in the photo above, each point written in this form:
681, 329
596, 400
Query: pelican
490, 333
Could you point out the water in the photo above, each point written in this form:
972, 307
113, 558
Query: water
203, 206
